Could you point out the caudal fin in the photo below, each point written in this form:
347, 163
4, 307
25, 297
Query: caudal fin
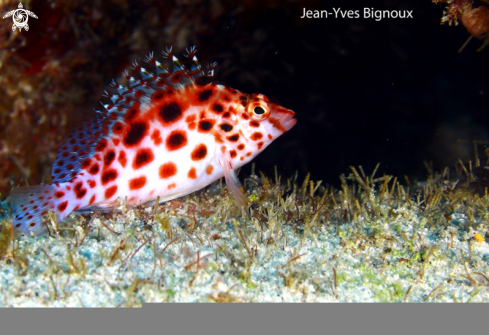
28, 205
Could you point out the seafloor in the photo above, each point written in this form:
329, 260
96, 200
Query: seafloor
364, 91
372, 241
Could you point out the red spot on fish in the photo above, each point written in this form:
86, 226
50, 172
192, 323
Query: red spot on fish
110, 191
171, 112
122, 158
136, 133
158, 95
62, 206
108, 176
79, 190
256, 136
137, 183
143, 157
192, 173
199, 152
255, 124
109, 157
116, 141
132, 112
205, 126
86, 163
94, 169
209, 169
118, 128
168, 170
92, 200
204, 95
176, 140
156, 137
241, 146
259, 145
217, 108
91, 183
190, 118
233, 153
101, 145
233, 138
59, 194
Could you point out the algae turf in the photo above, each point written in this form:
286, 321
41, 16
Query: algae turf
372, 240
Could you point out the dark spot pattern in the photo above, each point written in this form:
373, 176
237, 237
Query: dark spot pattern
79, 190
170, 113
217, 108
94, 169
109, 157
131, 114
118, 127
226, 127
143, 157
136, 133
199, 152
205, 126
205, 95
101, 145
176, 140
62, 206
86, 163
233, 138
109, 176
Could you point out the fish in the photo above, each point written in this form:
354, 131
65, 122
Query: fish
169, 133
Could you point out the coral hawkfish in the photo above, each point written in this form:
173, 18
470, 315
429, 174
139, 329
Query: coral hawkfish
165, 135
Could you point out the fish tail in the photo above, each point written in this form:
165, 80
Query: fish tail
29, 205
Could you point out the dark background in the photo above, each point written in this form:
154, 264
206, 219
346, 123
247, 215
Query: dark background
394, 91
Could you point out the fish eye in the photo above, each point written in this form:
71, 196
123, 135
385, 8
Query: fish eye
258, 110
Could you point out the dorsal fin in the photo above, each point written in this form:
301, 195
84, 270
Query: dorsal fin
81, 143
90, 131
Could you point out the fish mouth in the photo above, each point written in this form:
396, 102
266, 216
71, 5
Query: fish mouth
287, 120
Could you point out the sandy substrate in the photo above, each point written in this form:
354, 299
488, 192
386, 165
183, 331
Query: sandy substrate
293, 248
